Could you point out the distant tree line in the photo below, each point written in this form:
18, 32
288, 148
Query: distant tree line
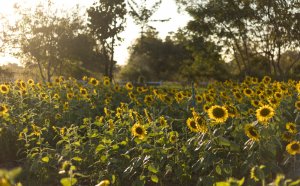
224, 39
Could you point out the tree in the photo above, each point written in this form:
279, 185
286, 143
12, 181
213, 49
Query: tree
249, 28
106, 22
42, 37
155, 59
141, 13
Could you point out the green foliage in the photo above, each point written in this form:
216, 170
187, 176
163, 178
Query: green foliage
71, 132
47, 37
106, 21
155, 59
249, 30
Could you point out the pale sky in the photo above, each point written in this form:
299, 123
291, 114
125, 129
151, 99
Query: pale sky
168, 9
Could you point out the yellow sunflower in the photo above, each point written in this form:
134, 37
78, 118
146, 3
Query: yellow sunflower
248, 92
291, 127
129, 86
251, 132
173, 137
139, 131
293, 148
83, 92
264, 113
3, 110
198, 98
192, 124
94, 81
287, 136
297, 105
4, 89
179, 96
218, 113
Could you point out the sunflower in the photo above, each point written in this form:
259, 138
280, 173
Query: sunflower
287, 136
264, 113
297, 105
278, 95
238, 96
139, 131
83, 92
201, 123
179, 96
70, 95
3, 110
4, 89
129, 86
298, 87
173, 137
218, 113
162, 121
192, 124
248, 92
198, 98
291, 127
148, 99
30, 81
255, 103
293, 148
94, 81
208, 98
106, 82
266, 80
206, 107
251, 132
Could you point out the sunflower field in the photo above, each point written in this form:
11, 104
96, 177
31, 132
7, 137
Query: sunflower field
94, 132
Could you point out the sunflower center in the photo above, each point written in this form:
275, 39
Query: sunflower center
295, 147
265, 112
139, 130
2, 108
4, 89
193, 124
252, 132
218, 112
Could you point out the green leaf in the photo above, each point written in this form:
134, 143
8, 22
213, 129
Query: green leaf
222, 183
115, 147
45, 159
218, 170
77, 158
113, 179
154, 178
103, 158
151, 168
99, 148
68, 181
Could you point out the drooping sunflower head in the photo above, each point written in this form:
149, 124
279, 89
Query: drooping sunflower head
251, 132
4, 89
291, 127
293, 148
139, 131
287, 136
218, 113
264, 113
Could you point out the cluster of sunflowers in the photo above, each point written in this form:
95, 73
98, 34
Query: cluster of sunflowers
93, 131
